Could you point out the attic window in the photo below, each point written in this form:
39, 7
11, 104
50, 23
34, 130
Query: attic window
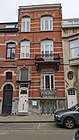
10, 26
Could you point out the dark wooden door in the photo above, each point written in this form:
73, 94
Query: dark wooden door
7, 100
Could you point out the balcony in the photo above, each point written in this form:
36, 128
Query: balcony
48, 92
47, 60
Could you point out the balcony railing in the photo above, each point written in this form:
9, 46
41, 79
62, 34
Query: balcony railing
48, 92
47, 58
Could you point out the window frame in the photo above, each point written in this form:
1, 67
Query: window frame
46, 23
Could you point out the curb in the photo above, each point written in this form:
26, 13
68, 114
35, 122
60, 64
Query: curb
27, 121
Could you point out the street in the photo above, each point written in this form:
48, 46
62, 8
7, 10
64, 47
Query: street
34, 131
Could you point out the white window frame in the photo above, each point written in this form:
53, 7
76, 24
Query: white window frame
43, 81
45, 44
74, 48
23, 52
25, 25
46, 23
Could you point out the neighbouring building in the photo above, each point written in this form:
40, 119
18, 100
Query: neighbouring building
70, 37
31, 62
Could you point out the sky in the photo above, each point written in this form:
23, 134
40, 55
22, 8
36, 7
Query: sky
9, 8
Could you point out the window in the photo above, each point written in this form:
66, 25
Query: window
25, 49
8, 75
46, 23
70, 75
10, 26
74, 48
47, 82
47, 47
25, 26
23, 92
24, 74
71, 92
10, 51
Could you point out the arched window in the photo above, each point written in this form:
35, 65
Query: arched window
25, 49
8, 75
70, 75
46, 23
10, 51
25, 25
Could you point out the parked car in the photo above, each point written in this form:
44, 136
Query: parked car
68, 118
76, 135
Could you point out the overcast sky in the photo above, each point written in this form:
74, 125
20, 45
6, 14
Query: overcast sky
9, 8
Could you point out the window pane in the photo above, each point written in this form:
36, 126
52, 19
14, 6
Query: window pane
10, 51
47, 81
74, 48
25, 49
52, 82
8, 75
46, 23
42, 82
25, 25
24, 75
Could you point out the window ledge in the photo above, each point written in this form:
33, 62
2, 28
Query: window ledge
9, 60
71, 59
8, 80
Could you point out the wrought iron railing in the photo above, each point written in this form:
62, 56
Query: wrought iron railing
48, 92
47, 57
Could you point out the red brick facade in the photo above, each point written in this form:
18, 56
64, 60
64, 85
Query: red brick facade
45, 72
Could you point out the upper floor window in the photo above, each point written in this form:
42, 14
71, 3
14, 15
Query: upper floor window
46, 23
47, 81
24, 74
10, 54
47, 47
8, 75
74, 48
25, 25
25, 49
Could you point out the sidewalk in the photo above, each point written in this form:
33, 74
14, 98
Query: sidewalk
26, 119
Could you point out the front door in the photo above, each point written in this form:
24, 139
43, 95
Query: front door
23, 101
7, 100
71, 97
